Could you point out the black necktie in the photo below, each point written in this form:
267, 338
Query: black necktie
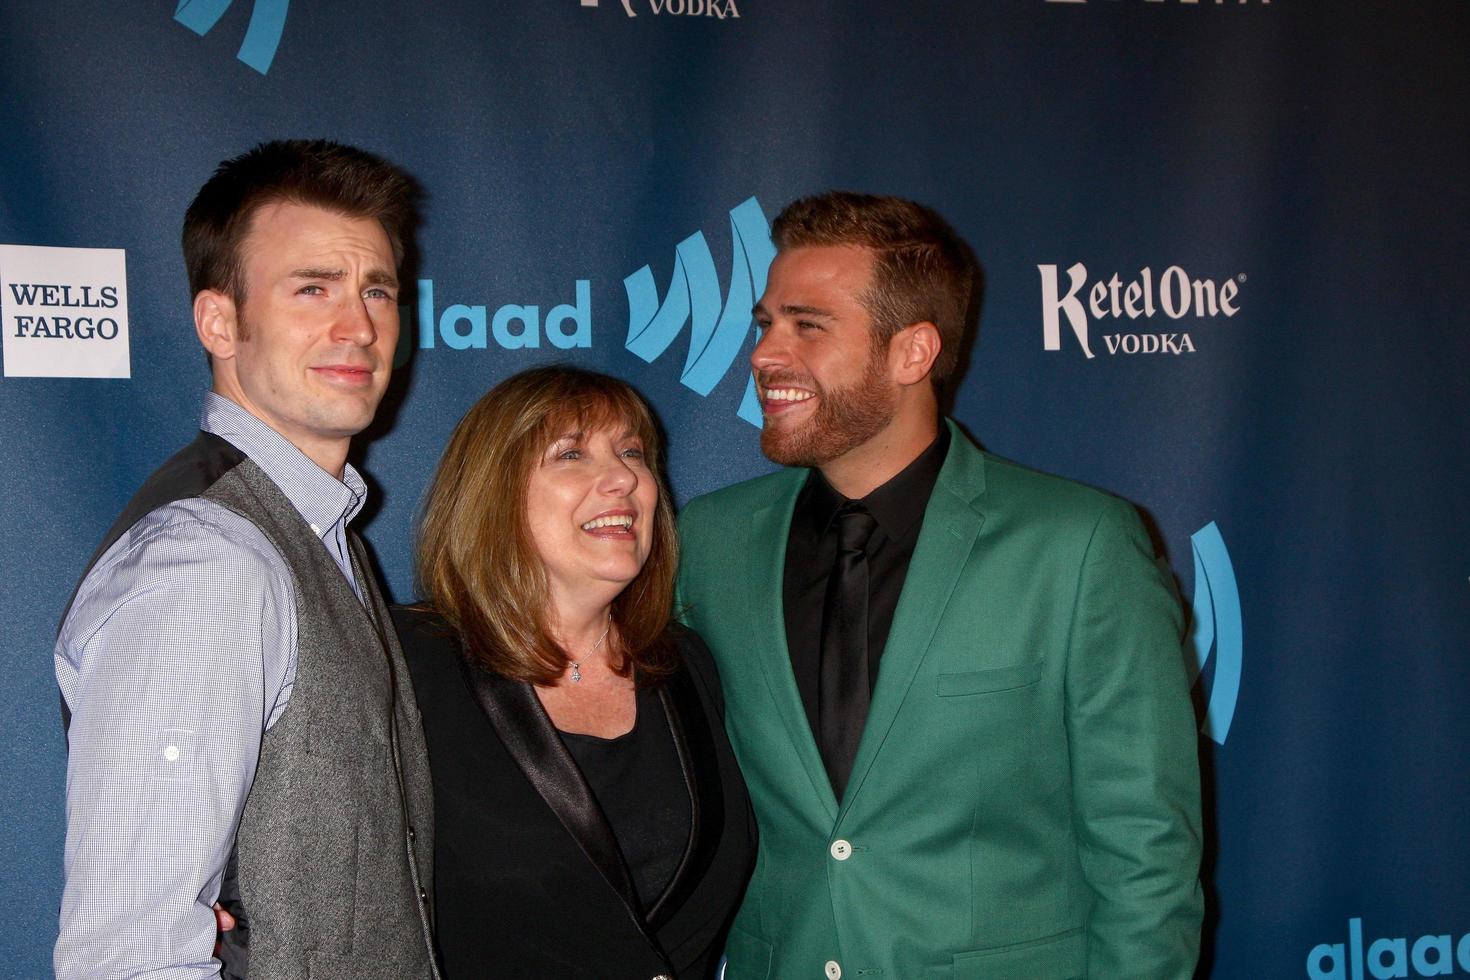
843, 689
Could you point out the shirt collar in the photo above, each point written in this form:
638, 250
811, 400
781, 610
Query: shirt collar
898, 505
321, 499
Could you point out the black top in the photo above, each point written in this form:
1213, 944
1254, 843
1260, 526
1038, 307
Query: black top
638, 783
811, 550
529, 877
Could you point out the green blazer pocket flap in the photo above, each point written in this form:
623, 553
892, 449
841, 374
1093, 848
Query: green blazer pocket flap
747, 955
988, 681
1058, 957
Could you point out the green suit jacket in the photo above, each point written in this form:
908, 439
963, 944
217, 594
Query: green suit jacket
1025, 799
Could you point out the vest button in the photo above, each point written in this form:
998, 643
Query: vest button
410, 833
423, 895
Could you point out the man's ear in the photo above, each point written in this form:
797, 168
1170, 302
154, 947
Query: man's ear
217, 323
913, 351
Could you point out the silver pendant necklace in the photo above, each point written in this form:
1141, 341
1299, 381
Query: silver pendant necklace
577, 664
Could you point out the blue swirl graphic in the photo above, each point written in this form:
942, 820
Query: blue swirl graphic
200, 16
262, 37
718, 325
1217, 626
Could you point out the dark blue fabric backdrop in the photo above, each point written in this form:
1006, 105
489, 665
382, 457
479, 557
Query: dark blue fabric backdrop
1303, 164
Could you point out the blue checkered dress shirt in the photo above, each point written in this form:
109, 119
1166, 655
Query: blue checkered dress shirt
177, 655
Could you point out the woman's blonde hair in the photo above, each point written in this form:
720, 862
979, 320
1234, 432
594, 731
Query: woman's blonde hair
477, 564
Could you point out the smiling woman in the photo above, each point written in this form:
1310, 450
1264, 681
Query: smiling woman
581, 770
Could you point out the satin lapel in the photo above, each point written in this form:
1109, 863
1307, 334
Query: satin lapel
690, 727
530, 738
952, 522
770, 527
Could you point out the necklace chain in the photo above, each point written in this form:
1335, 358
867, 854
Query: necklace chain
577, 664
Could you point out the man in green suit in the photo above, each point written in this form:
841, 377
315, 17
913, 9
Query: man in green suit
954, 685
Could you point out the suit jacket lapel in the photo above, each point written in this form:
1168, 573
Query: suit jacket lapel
770, 527
690, 727
952, 522
531, 739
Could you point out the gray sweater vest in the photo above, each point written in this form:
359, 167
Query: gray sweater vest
330, 876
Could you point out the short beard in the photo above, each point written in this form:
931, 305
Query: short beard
845, 418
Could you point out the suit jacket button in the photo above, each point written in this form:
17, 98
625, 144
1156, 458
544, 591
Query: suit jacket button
423, 895
833, 970
841, 850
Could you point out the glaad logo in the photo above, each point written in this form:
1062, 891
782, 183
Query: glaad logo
462, 327
1177, 295
65, 312
1431, 956
262, 37
719, 9
717, 329
1217, 626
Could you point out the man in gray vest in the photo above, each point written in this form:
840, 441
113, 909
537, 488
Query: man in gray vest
241, 727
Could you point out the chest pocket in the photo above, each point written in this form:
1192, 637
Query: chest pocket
991, 681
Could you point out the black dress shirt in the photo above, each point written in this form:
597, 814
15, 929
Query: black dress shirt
811, 550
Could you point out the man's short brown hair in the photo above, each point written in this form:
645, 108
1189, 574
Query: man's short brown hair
318, 173
921, 270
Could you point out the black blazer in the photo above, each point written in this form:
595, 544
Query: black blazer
528, 877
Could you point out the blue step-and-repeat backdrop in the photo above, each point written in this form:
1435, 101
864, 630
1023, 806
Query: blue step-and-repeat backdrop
1225, 244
